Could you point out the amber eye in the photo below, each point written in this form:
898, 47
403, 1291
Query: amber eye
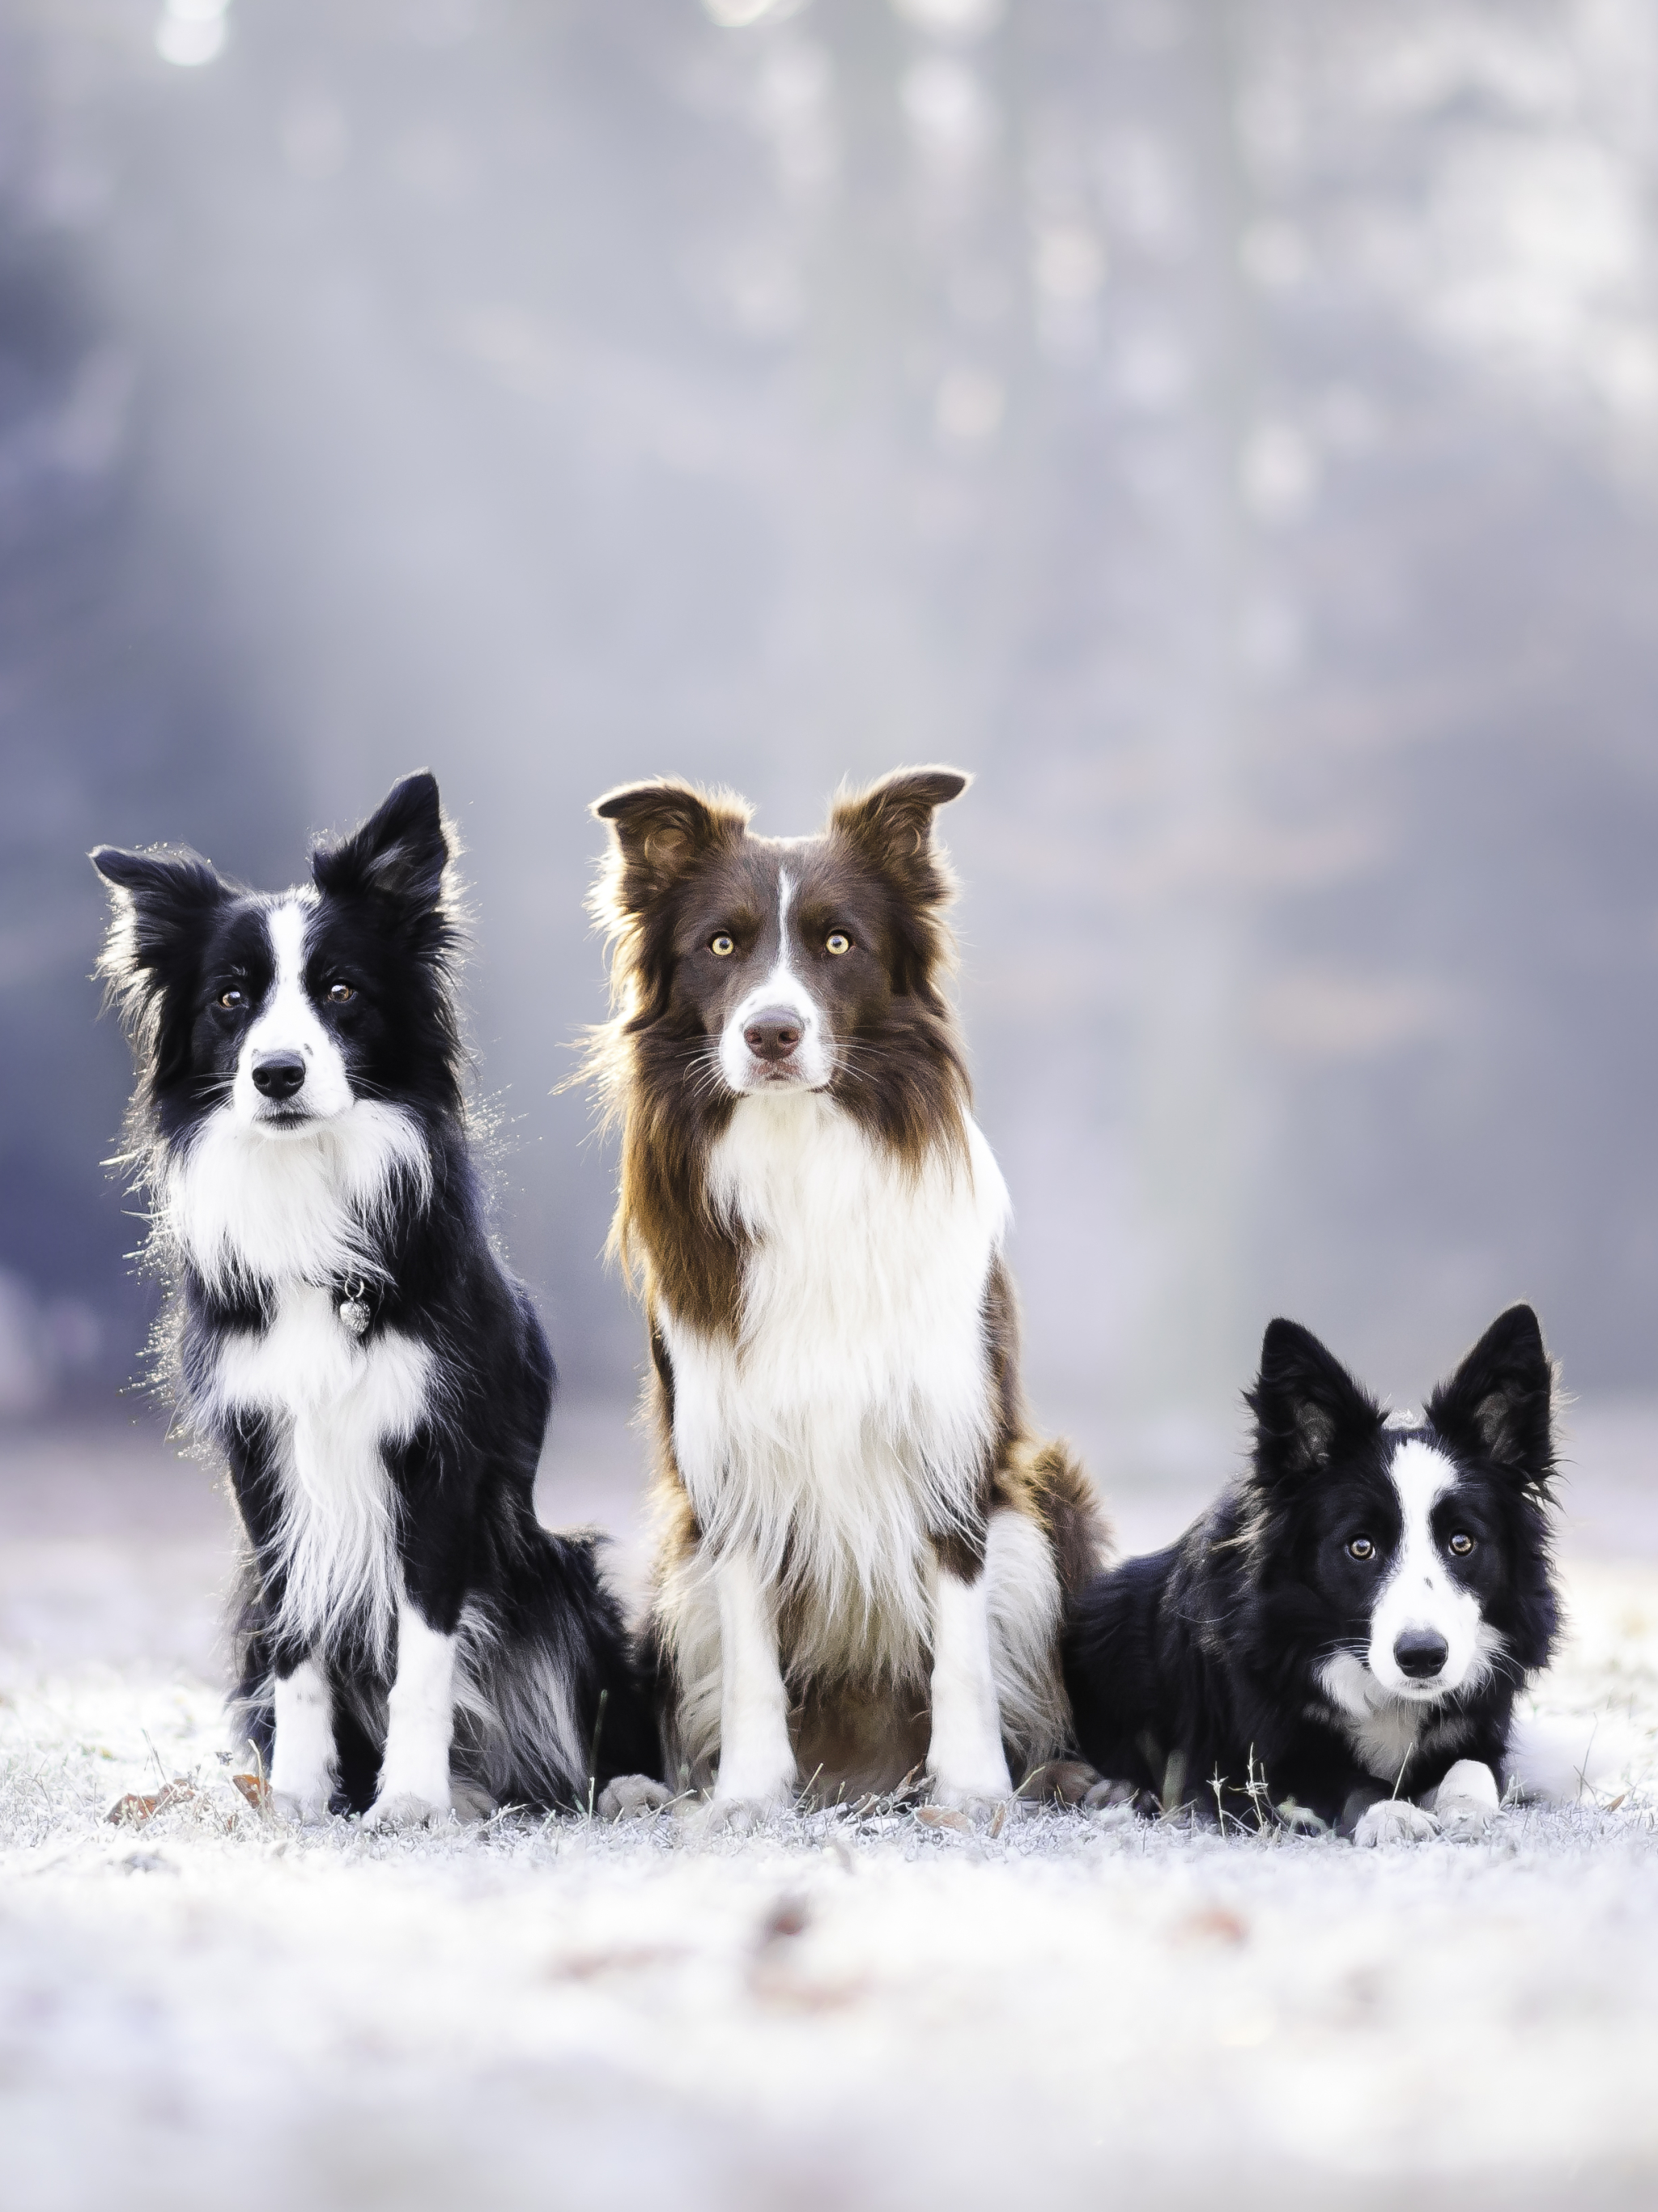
340, 994
1462, 1543
837, 941
1360, 1547
233, 998
722, 944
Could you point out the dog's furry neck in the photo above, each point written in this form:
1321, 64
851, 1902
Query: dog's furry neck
244, 1209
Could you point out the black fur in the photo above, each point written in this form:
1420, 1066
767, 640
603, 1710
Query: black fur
466, 1535
1193, 1672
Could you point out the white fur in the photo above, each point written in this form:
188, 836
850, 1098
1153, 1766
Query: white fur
849, 1422
1420, 1593
335, 1403
247, 1205
414, 1781
1465, 1803
1394, 1821
965, 1758
302, 1755
1561, 1760
783, 988
757, 1761
1024, 1601
856, 1411
1382, 1728
287, 1021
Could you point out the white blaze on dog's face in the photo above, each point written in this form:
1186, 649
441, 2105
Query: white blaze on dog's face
290, 1073
1428, 1637
778, 1036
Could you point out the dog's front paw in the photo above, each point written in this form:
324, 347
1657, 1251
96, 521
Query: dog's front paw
406, 1810
631, 1796
300, 1812
1394, 1821
1465, 1805
984, 1804
742, 1816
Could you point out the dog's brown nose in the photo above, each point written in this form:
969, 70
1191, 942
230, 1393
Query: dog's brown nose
773, 1034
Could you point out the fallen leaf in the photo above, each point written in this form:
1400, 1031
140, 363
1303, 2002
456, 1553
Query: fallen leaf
587, 1965
255, 1789
1214, 1923
944, 1816
786, 1917
133, 1810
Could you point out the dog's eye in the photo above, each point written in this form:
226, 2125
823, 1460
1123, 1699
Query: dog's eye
1462, 1543
340, 994
722, 944
232, 999
837, 941
1360, 1547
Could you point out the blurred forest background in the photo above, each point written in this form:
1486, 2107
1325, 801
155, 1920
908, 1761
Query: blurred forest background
1228, 426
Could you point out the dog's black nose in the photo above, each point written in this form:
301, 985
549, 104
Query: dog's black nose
1420, 1653
773, 1034
279, 1074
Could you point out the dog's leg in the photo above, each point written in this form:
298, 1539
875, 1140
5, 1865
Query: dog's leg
1465, 1803
965, 1759
757, 1759
302, 1751
414, 1784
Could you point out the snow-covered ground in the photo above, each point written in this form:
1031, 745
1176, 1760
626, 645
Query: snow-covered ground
206, 2010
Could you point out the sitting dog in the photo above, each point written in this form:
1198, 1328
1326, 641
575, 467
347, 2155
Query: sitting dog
343, 1335
863, 1552
1346, 1630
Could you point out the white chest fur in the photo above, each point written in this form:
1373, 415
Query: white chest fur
855, 1411
334, 1404
248, 1205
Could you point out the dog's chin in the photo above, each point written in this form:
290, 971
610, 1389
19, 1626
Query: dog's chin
1405, 1691
284, 1127
760, 1080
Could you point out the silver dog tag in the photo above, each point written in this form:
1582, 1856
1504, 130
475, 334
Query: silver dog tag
355, 1316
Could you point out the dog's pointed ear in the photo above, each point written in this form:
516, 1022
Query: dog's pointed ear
1499, 1405
400, 853
1305, 1403
891, 823
159, 897
662, 829
163, 902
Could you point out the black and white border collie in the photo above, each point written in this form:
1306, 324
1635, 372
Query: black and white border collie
344, 1336
863, 1551
1349, 1627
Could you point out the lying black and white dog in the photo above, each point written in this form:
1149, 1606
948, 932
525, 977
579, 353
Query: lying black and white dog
1348, 1627
343, 1335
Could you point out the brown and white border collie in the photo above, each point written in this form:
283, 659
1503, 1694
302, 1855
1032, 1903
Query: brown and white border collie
863, 1552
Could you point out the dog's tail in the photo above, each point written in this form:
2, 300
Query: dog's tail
251, 1708
550, 1702
1561, 1760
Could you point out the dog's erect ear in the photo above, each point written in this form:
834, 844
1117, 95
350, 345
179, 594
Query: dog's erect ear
159, 898
1499, 1405
892, 823
662, 830
1305, 1403
399, 854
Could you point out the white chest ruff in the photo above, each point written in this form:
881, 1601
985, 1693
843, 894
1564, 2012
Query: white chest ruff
334, 1405
854, 1413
